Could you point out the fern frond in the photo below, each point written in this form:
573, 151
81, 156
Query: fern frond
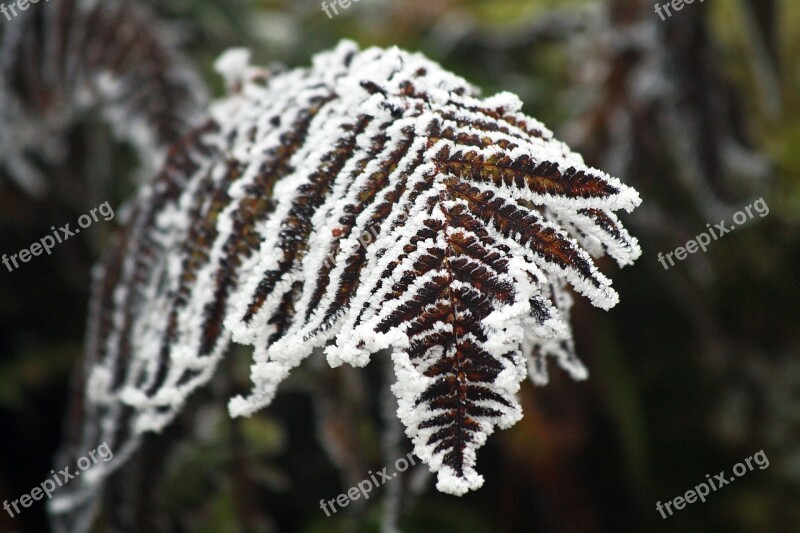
370, 201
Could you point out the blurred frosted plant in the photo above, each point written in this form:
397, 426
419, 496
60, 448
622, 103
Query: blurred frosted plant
369, 202
63, 58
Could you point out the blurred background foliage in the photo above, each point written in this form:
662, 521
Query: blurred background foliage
697, 368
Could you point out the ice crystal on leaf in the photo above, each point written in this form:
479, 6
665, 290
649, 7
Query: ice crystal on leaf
371, 201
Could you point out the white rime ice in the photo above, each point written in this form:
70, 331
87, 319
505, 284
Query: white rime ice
370, 201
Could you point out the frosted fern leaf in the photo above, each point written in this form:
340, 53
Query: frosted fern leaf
370, 201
